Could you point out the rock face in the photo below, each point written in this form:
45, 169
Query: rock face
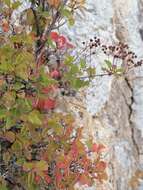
114, 113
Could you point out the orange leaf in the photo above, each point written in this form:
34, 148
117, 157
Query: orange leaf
54, 3
5, 26
100, 166
85, 180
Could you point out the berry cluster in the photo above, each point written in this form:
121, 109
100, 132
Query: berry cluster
120, 51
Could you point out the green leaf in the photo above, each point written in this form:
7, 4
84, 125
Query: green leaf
30, 16
69, 59
20, 161
71, 21
41, 165
30, 180
91, 71
108, 63
77, 83
35, 118
119, 70
68, 14
17, 146
74, 69
6, 67
57, 128
18, 85
44, 79
82, 63
7, 2
51, 43
2, 113
16, 4
9, 122
37, 166
21, 71
23, 106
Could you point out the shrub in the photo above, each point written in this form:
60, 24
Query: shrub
42, 148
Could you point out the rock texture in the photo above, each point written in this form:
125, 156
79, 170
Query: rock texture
114, 113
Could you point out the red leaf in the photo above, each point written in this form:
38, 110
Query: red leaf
54, 36
61, 42
100, 166
100, 147
47, 89
37, 179
69, 45
5, 26
44, 104
58, 176
61, 165
49, 104
85, 180
74, 150
97, 148
47, 179
55, 74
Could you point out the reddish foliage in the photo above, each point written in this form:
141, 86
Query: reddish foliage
54, 36
47, 179
97, 147
37, 179
100, 166
61, 41
5, 26
55, 74
85, 180
48, 89
44, 104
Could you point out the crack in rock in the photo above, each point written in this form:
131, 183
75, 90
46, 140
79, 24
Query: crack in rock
130, 117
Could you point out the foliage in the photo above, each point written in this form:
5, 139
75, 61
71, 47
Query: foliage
40, 147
